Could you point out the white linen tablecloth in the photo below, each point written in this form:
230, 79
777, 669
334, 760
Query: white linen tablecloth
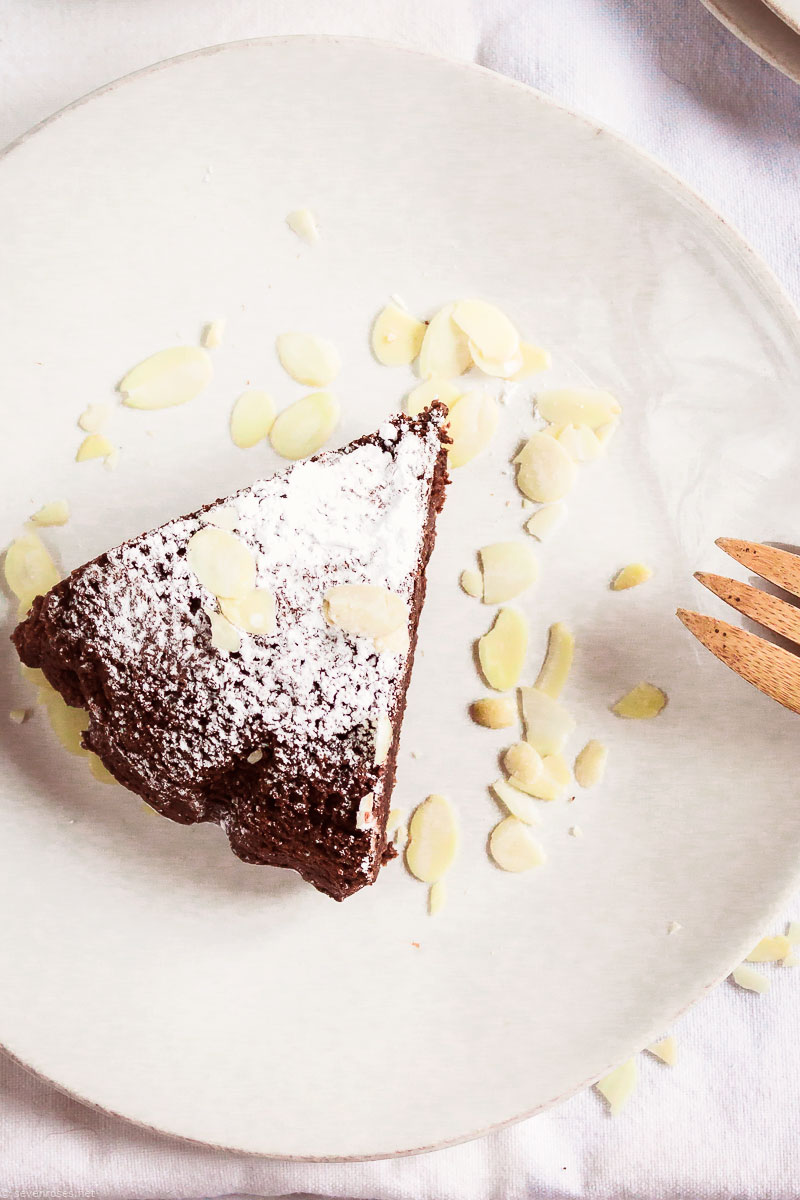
724, 1122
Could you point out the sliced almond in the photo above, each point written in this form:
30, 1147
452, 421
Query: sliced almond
494, 712
604, 433
428, 392
641, 703
444, 349
365, 817
68, 723
253, 613
100, 770
308, 359
524, 766
770, 949
489, 329
749, 979
618, 1086
545, 520
255, 757
630, 576
396, 642
501, 651
363, 609
534, 359
590, 765
554, 779
222, 562
473, 420
578, 406
213, 334
507, 368
224, 636
557, 661
303, 222
792, 960
518, 803
508, 569
580, 442
305, 426
94, 417
437, 897
18, 715
433, 839
397, 336
472, 583
55, 513
96, 445
111, 461
252, 417
223, 518
29, 570
545, 470
383, 739
793, 933
167, 378
547, 722
665, 1049
513, 848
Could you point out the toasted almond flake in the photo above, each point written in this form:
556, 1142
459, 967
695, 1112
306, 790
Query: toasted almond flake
580, 442
630, 576
508, 569
554, 779
364, 609
395, 818
489, 329
308, 359
557, 661
35, 677
545, 520
494, 712
604, 433
534, 359
524, 766
383, 739
96, 445
397, 336
666, 1049
365, 817
94, 417
472, 583
100, 770
513, 848
213, 334
545, 470
547, 722
68, 724
428, 392
222, 562
111, 461
792, 959
29, 570
305, 426
618, 1087
576, 406
224, 636
55, 513
255, 757
18, 715
674, 927
433, 839
501, 651
252, 417
641, 703
167, 378
793, 933
226, 518
518, 803
590, 764
396, 642
437, 897
473, 420
253, 613
575, 831
750, 979
770, 949
444, 350
303, 222
498, 368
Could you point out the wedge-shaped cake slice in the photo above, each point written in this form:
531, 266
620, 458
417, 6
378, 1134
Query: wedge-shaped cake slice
289, 741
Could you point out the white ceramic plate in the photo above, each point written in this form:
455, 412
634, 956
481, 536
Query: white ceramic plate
772, 30
144, 968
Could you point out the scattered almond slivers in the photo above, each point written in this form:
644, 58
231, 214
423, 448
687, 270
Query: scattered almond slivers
547, 722
444, 350
68, 723
770, 949
501, 651
428, 392
505, 369
488, 329
750, 979
518, 803
666, 1049
213, 334
508, 569
96, 445
303, 222
433, 839
305, 426
618, 1087
557, 661
590, 764
793, 933
253, 613
494, 712
473, 420
575, 406
641, 703
167, 378
94, 417
545, 520
524, 766
100, 770
545, 470
29, 570
472, 583
18, 715
534, 359
580, 442
513, 848
224, 636
252, 417
553, 781
364, 609
397, 336
630, 576
311, 360
437, 897
383, 740
55, 513
222, 562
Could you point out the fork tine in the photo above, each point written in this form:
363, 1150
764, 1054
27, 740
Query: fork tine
770, 668
778, 566
760, 606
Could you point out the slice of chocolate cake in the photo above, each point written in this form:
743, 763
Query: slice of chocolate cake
248, 664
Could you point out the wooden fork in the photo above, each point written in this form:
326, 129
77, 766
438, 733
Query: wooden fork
773, 670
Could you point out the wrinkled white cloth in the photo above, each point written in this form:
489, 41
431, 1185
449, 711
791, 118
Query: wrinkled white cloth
723, 1123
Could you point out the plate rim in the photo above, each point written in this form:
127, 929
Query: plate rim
782, 28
